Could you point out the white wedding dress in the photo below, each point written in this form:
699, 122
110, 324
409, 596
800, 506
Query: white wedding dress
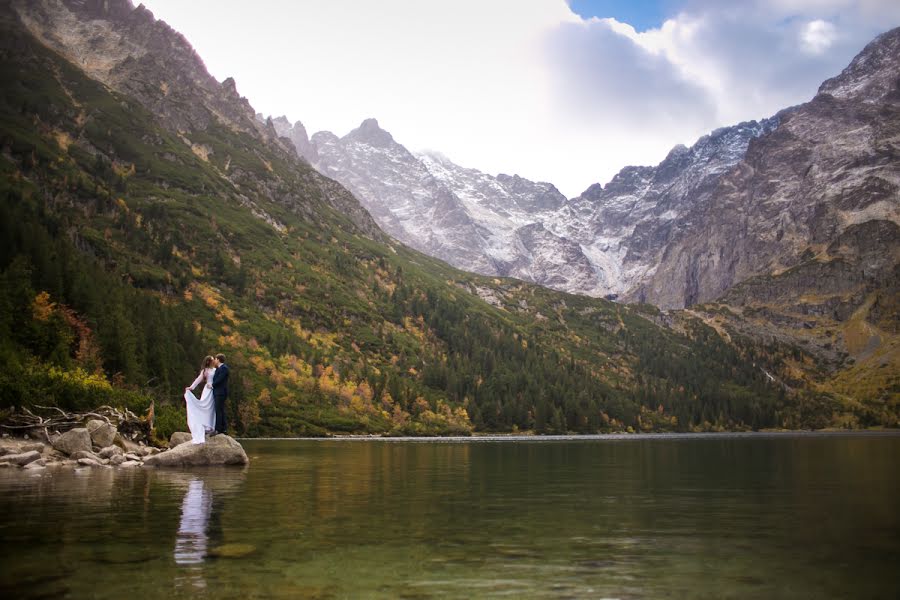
201, 412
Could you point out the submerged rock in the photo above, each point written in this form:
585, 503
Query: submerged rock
218, 450
232, 550
73, 441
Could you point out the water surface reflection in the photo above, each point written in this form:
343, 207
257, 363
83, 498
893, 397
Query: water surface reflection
702, 517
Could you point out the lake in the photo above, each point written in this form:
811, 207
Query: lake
706, 516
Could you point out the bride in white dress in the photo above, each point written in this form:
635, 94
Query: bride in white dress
201, 412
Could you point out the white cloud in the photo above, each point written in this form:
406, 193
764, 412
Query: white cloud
817, 36
527, 87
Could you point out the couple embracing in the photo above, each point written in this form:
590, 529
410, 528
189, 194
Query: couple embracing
206, 414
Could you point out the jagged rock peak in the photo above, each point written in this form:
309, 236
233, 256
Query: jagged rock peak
872, 74
369, 132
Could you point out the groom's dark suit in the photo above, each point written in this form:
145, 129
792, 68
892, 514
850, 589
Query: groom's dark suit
220, 394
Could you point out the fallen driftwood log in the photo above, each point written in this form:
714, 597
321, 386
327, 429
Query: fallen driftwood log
44, 420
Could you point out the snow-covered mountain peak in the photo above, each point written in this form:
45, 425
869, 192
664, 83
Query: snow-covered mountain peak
603, 242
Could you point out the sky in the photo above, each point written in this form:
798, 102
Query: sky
565, 92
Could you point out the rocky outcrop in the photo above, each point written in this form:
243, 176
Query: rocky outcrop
296, 135
218, 450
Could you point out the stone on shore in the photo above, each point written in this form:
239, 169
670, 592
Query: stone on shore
102, 433
218, 450
73, 441
36, 446
84, 454
130, 463
21, 459
110, 451
178, 438
89, 462
38, 464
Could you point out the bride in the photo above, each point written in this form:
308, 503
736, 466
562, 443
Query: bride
201, 413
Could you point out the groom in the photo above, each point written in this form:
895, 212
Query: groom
220, 392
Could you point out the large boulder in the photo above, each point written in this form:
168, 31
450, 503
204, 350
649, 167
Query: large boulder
178, 438
73, 441
218, 450
102, 433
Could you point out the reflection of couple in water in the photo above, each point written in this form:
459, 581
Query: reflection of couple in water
200, 529
193, 531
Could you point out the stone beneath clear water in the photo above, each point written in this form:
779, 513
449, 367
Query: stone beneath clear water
232, 550
218, 450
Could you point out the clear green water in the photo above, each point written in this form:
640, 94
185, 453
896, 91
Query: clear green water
786, 516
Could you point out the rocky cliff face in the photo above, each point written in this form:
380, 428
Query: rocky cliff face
134, 54
830, 165
627, 225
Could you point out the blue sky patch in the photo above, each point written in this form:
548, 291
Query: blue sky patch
640, 14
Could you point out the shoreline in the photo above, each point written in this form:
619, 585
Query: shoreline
518, 437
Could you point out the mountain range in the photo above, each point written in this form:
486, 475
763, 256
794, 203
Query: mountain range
150, 216
624, 240
597, 244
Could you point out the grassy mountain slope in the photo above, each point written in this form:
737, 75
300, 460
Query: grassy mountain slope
131, 249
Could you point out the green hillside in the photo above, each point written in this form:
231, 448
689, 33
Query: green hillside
129, 251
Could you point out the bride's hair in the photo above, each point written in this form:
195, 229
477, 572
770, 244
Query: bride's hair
207, 363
